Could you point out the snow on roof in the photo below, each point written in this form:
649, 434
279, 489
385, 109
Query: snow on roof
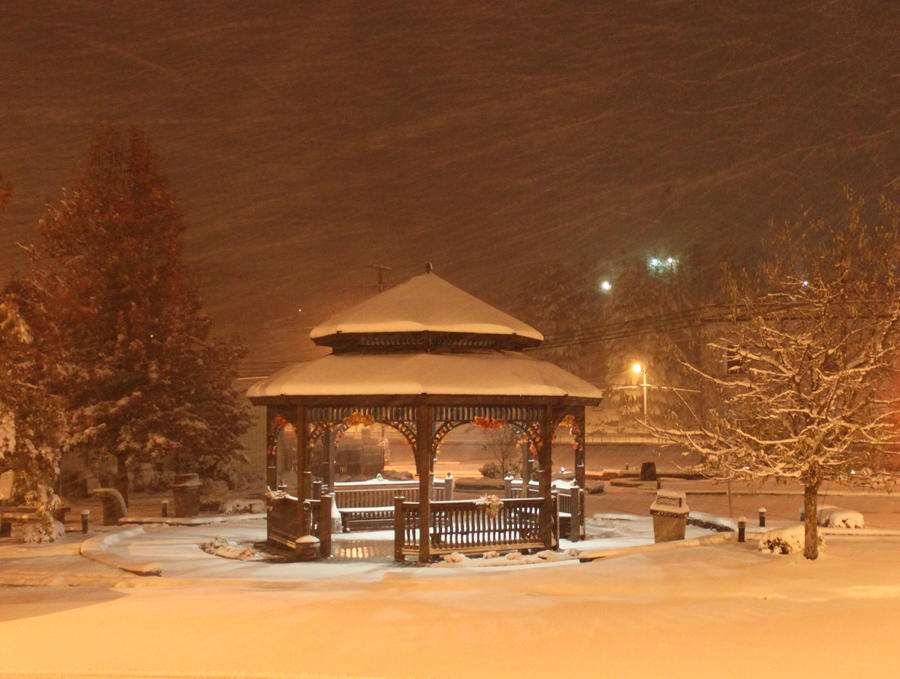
424, 303
494, 373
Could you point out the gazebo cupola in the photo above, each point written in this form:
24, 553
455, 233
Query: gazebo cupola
424, 314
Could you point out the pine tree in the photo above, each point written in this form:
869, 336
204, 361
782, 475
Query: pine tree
31, 420
144, 380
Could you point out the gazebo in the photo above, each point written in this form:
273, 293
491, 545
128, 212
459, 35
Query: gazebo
425, 357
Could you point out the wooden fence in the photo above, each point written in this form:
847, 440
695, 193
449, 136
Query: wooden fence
472, 526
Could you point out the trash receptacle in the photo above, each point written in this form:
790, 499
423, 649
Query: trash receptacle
669, 511
186, 490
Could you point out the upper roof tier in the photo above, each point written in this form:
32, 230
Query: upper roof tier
424, 311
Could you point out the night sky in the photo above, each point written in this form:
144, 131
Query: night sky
305, 141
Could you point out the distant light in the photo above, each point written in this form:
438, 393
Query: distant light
654, 261
637, 368
606, 286
670, 261
299, 310
805, 284
852, 471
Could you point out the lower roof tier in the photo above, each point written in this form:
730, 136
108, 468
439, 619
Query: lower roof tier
491, 373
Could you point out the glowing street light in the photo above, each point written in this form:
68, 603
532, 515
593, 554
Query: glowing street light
606, 286
641, 370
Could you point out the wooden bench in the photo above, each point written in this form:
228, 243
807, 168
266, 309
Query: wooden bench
369, 505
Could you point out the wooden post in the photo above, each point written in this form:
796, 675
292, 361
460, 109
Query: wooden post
307, 485
398, 529
576, 519
424, 455
582, 499
302, 467
328, 446
317, 489
325, 525
526, 462
507, 485
762, 517
545, 460
580, 449
271, 457
742, 529
554, 524
450, 485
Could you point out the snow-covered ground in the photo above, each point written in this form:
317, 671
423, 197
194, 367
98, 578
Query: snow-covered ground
726, 611
711, 611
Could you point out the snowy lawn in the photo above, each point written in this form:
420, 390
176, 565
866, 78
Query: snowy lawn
725, 611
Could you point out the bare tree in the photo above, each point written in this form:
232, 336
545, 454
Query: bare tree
811, 348
503, 445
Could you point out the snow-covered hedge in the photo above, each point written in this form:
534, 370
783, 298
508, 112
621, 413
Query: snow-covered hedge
785, 540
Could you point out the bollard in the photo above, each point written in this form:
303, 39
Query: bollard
762, 517
658, 483
742, 529
165, 508
85, 515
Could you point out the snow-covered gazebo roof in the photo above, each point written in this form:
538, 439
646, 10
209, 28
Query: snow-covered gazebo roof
483, 373
424, 337
425, 304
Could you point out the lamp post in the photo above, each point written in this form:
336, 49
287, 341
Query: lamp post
638, 368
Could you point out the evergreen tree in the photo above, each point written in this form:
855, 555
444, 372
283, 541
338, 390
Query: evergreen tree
144, 380
31, 420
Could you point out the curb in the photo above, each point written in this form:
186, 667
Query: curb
706, 540
176, 521
95, 549
797, 493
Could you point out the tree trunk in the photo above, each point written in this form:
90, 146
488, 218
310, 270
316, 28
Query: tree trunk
811, 520
122, 477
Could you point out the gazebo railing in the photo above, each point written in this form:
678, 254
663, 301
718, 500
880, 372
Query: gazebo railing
473, 526
570, 502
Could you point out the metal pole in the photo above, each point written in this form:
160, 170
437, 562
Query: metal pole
644, 373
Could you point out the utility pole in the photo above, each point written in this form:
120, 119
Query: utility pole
380, 269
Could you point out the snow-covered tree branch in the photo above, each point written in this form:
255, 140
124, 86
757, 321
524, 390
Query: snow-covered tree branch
813, 340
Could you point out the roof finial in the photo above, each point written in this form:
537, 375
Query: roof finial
428, 267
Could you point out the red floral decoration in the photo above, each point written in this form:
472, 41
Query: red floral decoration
356, 418
488, 422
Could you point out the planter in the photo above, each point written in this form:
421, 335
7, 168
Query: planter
186, 490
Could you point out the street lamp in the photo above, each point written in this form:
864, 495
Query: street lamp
637, 368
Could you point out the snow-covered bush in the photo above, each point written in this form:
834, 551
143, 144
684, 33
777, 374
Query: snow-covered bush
785, 540
229, 549
244, 507
37, 532
834, 517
